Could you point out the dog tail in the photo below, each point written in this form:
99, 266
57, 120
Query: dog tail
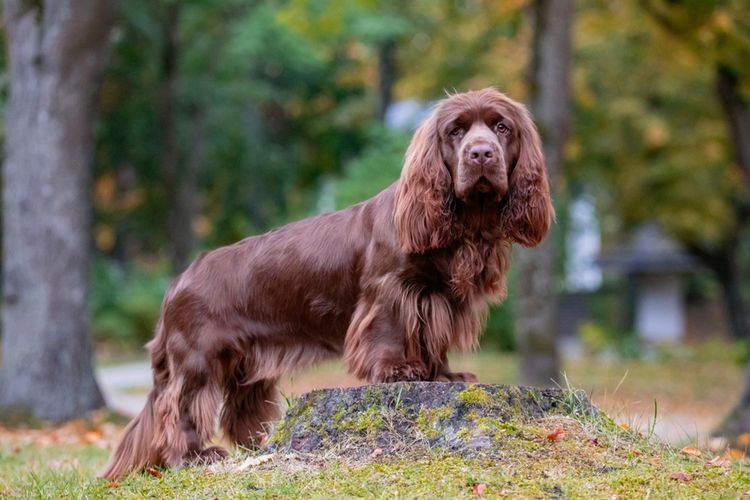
140, 446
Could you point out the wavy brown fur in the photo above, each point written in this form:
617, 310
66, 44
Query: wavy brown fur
392, 284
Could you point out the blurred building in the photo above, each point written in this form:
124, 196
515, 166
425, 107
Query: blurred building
655, 267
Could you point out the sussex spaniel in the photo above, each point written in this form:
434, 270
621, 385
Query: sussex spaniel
392, 284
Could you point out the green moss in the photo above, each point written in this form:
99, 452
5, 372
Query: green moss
372, 396
474, 395
339, 415
368, 422
464, 435
429, 418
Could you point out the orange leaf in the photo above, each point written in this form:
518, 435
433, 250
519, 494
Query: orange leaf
689, 450
736, 454
556, 435
479, 489
154, 472
114, 484
376, 452
744, 438
91, 437
682, 476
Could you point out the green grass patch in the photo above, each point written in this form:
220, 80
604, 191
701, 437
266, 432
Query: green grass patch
569, 468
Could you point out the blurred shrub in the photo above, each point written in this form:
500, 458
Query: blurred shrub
125, 301
598, 338
499, 332
376, 168
735, 352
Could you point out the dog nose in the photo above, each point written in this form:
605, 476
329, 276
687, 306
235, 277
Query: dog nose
480, 153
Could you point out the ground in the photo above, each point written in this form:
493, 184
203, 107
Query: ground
563, 457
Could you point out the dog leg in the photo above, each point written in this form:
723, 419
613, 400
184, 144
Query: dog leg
187, 412
377, 349
248, 411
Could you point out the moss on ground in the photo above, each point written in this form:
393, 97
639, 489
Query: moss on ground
474, 395
571, 467
369, 422
429, 418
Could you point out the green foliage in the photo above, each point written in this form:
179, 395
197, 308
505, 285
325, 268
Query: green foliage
599, 338
499, 331
647, 118
125, 301
376, 168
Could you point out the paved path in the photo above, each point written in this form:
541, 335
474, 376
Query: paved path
125, 386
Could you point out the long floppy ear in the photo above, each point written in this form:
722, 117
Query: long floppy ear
422, 214
528, 212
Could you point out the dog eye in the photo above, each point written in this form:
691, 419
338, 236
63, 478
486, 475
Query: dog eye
456, 131
501, 128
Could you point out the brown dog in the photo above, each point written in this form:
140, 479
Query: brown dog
392, 283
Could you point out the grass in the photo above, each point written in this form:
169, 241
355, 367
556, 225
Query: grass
592, 459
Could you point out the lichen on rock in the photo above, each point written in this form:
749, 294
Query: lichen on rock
466, 419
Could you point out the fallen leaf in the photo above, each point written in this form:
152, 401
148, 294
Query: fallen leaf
736, 454
91, 437
114, 484
745, 493
682, 476
594, 441
479, 489
719, 461
624, 426
654, 460
556, 435
376, 452
154, 472
689, 450
744, 438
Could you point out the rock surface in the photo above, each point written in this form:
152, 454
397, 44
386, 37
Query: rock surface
468, 419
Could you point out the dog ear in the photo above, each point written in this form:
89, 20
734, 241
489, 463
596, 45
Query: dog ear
528, 212
422, 213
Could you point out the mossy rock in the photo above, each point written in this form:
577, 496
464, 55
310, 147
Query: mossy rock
468, 419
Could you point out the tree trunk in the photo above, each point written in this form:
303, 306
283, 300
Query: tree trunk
179, 215
536, 312
57, 53
737, 113
386, 75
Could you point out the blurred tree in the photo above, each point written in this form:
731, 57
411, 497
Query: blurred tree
233, 117
719, 31
536, 303
659, 86
57, 53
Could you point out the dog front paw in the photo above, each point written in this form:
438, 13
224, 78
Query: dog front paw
405, 371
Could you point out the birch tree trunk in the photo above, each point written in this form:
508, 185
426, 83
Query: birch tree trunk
536, 311
57, 52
